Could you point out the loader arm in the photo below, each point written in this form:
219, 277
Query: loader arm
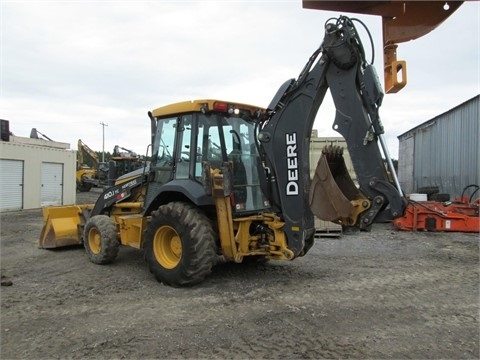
64, 225
284, 136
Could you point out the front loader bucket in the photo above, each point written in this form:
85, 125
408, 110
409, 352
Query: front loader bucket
62, 226
333, 195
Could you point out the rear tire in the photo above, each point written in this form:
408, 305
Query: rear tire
179, 244
100, 239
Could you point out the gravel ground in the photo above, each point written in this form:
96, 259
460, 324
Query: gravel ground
383, 294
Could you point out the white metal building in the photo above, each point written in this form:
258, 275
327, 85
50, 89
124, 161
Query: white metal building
36, 173
442, 152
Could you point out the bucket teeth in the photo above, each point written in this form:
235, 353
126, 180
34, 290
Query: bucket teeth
332, 151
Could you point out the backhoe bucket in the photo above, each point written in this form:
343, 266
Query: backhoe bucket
62, 226
333, 195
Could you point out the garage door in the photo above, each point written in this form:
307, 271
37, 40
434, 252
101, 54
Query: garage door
52, 184
11, 185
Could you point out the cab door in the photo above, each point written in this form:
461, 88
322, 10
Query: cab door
164, 150
186, 153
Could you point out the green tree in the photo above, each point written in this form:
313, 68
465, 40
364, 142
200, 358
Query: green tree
108, 155
394, 162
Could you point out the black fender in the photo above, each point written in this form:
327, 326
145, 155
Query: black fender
176, 190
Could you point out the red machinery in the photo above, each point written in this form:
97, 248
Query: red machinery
460, 215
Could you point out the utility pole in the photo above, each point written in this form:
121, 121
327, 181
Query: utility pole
103, 140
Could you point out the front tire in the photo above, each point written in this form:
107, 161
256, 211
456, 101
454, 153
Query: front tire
179, 244
100, 239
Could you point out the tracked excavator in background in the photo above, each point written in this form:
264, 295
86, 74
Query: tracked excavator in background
123, 161
98, 173
87, 175
230, 181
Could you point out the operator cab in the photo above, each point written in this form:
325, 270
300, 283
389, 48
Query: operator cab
189, 135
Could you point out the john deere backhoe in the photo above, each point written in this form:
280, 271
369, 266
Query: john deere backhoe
229, 181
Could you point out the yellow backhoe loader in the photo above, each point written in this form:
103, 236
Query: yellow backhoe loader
230, 181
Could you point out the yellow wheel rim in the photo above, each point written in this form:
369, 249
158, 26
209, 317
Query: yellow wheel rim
94, 241
167, 247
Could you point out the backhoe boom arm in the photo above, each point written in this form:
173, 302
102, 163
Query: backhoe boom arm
339, 64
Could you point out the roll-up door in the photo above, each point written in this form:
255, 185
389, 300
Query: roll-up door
52, 184
11, 185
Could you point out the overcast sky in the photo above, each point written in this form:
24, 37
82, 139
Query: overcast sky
67, 66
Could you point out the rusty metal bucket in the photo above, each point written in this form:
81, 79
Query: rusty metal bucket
333, 194
62, 226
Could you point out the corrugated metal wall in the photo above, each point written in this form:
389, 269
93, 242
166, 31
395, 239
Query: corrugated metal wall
446, 151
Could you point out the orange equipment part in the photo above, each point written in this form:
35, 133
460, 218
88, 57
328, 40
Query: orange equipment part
402, 21
438, 216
